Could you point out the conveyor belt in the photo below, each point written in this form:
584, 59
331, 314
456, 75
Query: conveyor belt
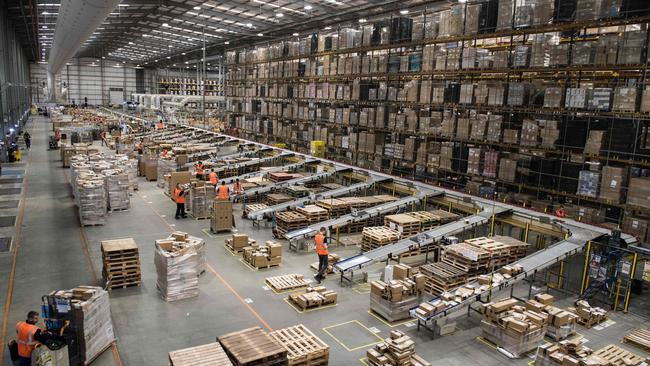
259, 214
252, 162
273, 169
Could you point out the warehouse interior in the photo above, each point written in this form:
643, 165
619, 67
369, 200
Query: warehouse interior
309, 183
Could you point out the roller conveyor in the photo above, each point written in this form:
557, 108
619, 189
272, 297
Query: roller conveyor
252, 162
286, 183
273, 169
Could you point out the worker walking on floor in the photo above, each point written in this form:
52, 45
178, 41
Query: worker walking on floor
213, 178
179, 197
28, 140
237, 188
29, 335
223, 193
323, 254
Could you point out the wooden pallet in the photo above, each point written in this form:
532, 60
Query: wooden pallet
121, 263
303, 347
211, 354
639, 338
617, 356
253, 346
273, 199
313, 213
378, 236
441, 277
334, 206
254, 207
286, 282
403, 223
588, 323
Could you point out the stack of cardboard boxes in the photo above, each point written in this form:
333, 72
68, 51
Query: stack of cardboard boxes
512, 327
638, 193
267, 255
238, 242
561, 323
612, 180
313, 297
397, 350
588, 315
393, 299
179, 260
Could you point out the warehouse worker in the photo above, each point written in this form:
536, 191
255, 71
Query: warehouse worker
198, 169
160, 126
323, 253
237, 188
179, 197
163, 153
223, 192
213, 178
559, 212
29, 335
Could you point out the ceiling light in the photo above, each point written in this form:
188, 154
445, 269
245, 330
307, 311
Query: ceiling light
183, 53
227, 42
279, 15
103, 58
165, 24
295, 34
168, 57
173, 64
123, 62
197, 8
362, 20
123, 5
260, 34
404, 12
170, 46
308, 7
45, 13
328, 28
156, 60
249, 25
130, 43
45, 27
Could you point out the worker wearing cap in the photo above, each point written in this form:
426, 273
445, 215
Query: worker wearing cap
323, 253
213, 178
198, 169
237, 188
29, 335
223, 192
179, 197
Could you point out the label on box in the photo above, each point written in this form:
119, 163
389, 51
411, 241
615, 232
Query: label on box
612, 183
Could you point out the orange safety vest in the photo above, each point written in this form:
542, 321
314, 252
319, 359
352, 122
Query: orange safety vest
159, 126
199, 168
222, 193
213, 178
321, 249
237, 187
177, 196
560, 213
26, 342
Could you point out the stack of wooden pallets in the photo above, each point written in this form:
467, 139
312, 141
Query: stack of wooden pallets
303, 347
288, 221
618, 356
335, 207
254, 207
298, 191
313, 213
211, 354
253, 346
405, 224
286, 282
331, 186
442, 277
273, 199
282, 176
639, 338
355, 203
480, 255
378, 236
429, 220
121, 263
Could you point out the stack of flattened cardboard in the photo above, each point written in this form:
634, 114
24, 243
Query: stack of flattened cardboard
117, 187
222, 218
313, 297
201, 198
91, 199
397, 350
267, 255
91, 316
179, 259
512, 327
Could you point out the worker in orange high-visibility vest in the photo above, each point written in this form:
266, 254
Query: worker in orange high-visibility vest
560, 212
213, 178
179, 197
237, 188
223, 192
198, 169
29, 335
321, 249
160, 125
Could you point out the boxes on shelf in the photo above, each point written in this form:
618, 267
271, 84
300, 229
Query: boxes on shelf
611, 184
588, 182
638, 192
636, 227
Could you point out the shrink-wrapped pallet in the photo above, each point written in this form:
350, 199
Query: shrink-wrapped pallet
117, 190
177, 266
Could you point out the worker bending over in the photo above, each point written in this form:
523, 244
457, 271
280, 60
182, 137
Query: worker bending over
29, 335
179, 197
198, 169
323, 253
237, 188
213, 178
223, 192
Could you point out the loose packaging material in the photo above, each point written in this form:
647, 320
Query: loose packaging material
611, 184
313, 297
625, 99
397, 350
201, 197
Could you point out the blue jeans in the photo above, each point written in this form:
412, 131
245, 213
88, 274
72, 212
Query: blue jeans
24, 361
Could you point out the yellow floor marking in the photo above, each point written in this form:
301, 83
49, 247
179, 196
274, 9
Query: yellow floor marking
343, 344
207, 232
486, 342
392, 325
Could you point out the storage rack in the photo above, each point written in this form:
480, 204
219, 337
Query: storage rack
280, 91
189, 86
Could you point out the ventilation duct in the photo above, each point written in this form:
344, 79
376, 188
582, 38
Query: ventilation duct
76, 21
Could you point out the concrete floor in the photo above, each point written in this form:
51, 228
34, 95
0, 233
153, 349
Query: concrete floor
55, 253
